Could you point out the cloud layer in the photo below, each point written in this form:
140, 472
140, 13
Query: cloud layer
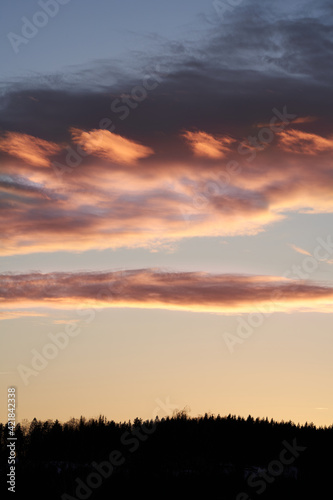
223, 137
111, 198
154, 288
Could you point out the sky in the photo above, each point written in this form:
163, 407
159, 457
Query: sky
166, 193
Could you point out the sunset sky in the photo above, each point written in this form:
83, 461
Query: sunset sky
167, 196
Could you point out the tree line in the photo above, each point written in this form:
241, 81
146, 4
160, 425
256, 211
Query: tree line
245, 457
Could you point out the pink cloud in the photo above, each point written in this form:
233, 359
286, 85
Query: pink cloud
152, 288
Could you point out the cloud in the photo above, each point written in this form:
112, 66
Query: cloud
300, 250
153, 288
296, 141
204, 144
31, 149
211, 92
20, 314
296, 121
110, 146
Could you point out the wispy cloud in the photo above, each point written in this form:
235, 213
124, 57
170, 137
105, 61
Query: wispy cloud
299, 249
298, 120
20, 314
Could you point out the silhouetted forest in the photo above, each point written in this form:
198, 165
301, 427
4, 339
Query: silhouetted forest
241, 458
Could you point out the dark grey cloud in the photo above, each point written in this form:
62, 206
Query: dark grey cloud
259, 56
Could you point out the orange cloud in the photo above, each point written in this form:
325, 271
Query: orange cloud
110, 146
20, 314
204, 144
296, 141
152, 288
300, 119
300, 250
305, 119
31, 149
